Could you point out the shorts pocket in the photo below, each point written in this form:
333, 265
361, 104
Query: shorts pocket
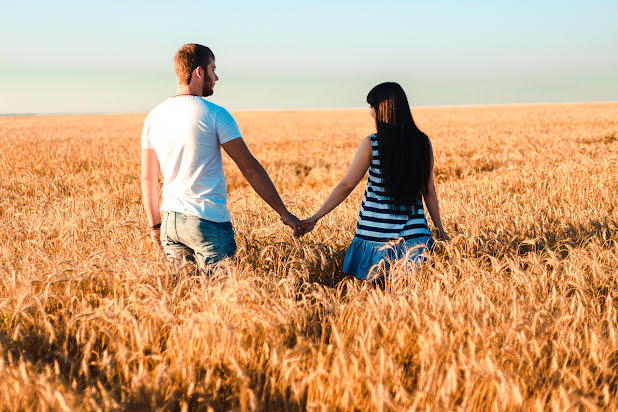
227, 243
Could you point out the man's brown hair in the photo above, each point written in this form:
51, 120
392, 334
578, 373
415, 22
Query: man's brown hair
188, 58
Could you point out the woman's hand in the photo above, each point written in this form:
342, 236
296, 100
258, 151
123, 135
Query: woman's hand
442, 235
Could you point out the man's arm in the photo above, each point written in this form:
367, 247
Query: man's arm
259, 180
150, 191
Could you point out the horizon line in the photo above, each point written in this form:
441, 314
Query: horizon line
26, 114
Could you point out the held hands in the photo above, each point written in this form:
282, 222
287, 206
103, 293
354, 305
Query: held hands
305, 227
290, 220
299, 227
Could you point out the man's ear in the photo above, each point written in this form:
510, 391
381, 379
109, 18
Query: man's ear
199, 72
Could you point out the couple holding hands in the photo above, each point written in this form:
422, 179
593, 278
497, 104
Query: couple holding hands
182, 140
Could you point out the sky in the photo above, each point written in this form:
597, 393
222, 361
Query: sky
116, 56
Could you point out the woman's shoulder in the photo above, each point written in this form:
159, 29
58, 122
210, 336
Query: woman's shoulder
371, 142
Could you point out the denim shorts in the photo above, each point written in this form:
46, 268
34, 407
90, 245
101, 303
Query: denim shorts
190, 238
364, 257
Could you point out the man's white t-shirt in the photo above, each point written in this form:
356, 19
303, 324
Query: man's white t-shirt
186, 132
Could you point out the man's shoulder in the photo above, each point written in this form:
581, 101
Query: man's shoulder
218, 114
198, 109
153, 112
214, 108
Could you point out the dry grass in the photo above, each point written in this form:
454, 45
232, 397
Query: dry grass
518, 311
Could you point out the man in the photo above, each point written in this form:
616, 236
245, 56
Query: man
182, 139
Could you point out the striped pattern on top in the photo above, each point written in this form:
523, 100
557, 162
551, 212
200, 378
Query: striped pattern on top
378, 220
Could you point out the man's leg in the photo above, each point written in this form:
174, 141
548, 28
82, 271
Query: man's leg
211, 242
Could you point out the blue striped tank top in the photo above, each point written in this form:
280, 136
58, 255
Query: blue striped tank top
380, 221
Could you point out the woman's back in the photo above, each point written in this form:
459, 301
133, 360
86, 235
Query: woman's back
379, 219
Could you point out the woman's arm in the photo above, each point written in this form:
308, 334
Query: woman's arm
431, 200
355, 173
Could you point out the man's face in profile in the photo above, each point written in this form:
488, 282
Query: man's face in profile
210, 79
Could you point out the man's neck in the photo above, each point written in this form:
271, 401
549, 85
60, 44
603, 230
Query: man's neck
187, 90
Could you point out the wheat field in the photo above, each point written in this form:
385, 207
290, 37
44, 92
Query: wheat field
519, 311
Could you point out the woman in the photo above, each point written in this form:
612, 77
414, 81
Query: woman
399, 156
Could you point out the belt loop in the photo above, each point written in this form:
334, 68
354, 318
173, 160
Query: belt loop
176, 225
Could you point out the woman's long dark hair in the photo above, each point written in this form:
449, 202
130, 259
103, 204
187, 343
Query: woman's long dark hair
403, 150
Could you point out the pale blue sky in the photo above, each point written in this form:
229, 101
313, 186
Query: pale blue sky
116, 56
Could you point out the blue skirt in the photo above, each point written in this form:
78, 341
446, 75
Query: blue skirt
364, 256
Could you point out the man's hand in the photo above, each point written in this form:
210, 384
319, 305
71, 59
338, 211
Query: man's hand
155, 236
292, 221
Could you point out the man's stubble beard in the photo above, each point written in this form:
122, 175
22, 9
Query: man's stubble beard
208, 89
